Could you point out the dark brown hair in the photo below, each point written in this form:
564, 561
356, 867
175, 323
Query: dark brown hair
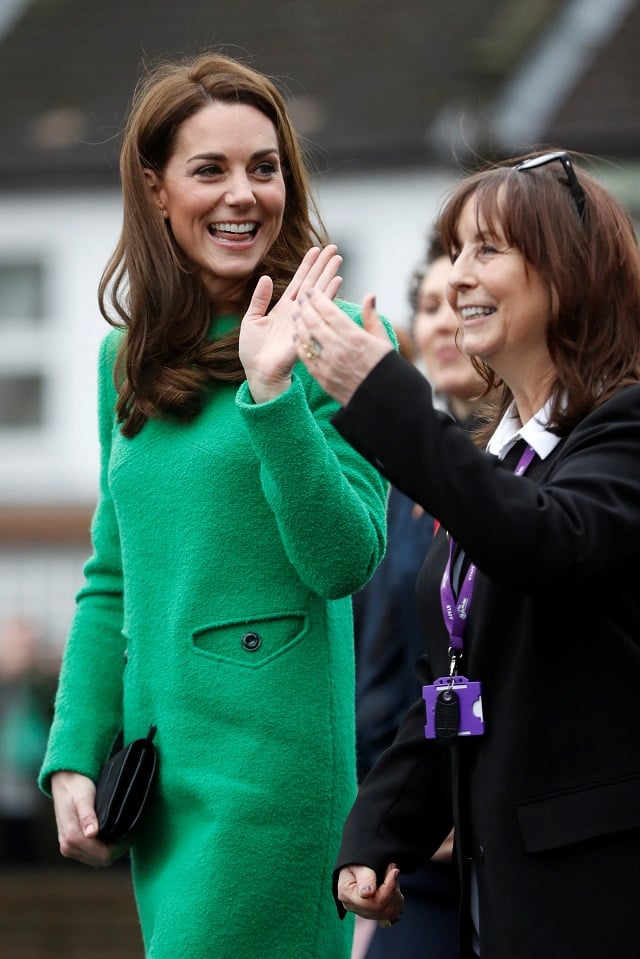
592, 266
166, 364
434, 251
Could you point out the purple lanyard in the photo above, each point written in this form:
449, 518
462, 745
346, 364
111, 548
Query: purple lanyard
455, 611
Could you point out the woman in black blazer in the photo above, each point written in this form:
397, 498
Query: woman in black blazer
528, 735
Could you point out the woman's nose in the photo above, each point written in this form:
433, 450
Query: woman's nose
445, 318
460, 278
459, 275
239, 191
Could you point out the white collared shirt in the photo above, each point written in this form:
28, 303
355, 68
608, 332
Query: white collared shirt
534, 432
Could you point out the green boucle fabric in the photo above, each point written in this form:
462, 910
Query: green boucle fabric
252, 519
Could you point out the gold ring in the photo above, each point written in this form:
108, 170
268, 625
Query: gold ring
312, 349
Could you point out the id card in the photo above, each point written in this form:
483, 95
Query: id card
466, 698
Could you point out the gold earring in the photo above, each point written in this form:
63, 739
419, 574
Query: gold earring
164, 214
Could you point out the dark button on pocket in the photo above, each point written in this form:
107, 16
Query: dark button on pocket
251, 642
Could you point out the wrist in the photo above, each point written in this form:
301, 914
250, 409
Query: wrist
263, 389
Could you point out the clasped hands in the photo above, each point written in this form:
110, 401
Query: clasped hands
359, 893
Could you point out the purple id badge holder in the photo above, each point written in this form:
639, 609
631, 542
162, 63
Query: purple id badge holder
453, 703
454, 708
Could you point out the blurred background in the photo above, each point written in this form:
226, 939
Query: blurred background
394, 102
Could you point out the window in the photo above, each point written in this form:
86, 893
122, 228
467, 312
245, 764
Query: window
22, 353
21, 292
21, 400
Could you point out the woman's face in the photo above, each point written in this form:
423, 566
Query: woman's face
224, 195
502, 304
434, 331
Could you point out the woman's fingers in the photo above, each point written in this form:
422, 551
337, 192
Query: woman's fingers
357, 891
318, 268
337, 351
324, 271
306, 263
315, 309
260, 300
333, 287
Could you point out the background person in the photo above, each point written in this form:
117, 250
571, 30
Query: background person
539, 603
26, 687
389, 635
232, 526
385, 609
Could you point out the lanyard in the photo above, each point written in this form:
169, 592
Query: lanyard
456, 610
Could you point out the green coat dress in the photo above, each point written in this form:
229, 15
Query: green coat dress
216, 604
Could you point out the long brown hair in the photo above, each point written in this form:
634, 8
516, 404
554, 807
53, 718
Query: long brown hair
592, 266
166, 364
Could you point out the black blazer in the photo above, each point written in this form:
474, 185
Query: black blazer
547, 803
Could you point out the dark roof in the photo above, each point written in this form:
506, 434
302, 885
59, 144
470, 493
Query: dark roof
366, 79
601, 114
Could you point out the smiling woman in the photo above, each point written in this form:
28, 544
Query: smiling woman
185, 173
222, 198
232, 527
529, 593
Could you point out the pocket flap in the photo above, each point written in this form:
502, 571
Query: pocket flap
564, 818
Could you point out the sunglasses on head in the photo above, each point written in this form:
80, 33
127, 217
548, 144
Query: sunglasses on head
576, 190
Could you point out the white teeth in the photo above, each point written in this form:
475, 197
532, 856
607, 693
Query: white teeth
234, 227
469, 311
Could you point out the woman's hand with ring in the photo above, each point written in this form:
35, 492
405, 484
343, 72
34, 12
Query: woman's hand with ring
337, 351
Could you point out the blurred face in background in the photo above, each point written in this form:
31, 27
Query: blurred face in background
434, 334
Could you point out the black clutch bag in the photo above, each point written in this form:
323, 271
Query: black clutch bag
123, 787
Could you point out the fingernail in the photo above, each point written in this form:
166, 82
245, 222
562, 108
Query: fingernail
365, 889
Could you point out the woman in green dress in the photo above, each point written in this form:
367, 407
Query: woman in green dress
232, 526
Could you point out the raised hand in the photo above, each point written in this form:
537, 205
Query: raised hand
335, 350
267, 350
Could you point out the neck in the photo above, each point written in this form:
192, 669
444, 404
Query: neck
529, 402
531, 387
